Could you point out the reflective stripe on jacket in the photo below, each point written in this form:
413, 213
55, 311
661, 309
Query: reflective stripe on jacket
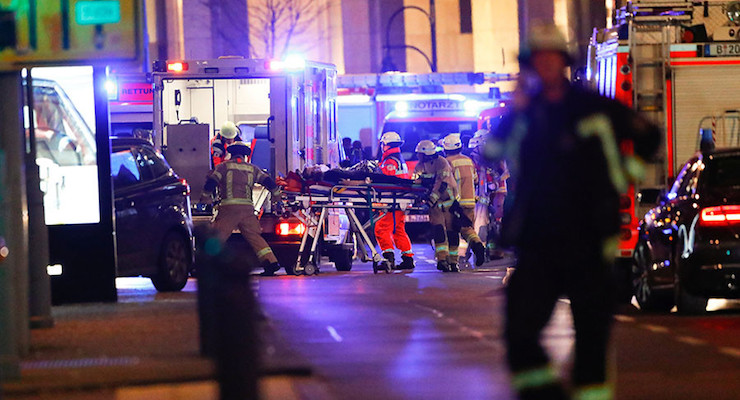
466, 177
235, 179
392, 164
444, 191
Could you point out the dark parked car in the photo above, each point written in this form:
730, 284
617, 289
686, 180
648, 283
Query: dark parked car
154, 227
689, 245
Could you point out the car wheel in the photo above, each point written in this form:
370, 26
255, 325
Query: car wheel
687, 303
174, 264
648, 297
342, 257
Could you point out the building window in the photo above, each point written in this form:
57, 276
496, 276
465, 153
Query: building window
466, 17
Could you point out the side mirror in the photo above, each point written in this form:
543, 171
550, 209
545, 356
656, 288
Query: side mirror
650, 197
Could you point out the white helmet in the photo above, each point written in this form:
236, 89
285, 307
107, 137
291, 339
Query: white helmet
391, 137
452, 142
478, 138
426, 147
229, 130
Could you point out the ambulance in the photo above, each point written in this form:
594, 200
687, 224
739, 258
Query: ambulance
285, 110
674, 62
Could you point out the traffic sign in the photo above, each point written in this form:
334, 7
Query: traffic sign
71, 32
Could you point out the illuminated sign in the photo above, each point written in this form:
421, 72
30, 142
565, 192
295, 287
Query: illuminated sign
71, 32
435, 105
97, 12
135, 92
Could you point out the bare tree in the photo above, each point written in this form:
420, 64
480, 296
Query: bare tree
276, 23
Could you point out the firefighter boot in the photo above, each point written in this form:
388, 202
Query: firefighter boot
407, 262
443, 266
270, 269
454, 267
480, 253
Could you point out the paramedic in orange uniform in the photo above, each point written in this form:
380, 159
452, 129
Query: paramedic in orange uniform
391, 228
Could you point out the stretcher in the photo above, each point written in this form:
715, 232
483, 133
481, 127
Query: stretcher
321, 198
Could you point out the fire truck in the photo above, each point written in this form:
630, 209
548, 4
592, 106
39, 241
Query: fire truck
286, 110
674, 62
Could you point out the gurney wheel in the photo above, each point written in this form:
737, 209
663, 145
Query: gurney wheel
388, 267
310, 269
375, 267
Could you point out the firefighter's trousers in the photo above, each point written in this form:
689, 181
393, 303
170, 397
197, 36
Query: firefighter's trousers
391, 229
441, 220
467, 231
242, 217
543, 274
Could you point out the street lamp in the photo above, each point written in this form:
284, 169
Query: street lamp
388, 64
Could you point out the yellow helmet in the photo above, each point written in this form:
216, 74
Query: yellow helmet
426, 147
229, 130
452, 142
544, 37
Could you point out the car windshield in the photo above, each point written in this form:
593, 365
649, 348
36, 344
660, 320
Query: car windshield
412, 132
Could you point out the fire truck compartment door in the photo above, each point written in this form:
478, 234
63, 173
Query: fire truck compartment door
700, 91
188, 153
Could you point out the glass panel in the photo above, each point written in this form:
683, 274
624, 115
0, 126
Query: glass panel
64, 122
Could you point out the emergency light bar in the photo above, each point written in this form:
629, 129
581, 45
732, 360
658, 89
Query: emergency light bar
177, 67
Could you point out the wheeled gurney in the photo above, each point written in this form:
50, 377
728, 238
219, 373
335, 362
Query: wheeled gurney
372, 196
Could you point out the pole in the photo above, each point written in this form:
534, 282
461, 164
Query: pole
433, 32
14, 330
40, 282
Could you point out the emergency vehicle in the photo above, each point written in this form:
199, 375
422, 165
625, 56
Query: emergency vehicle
130, 104
286, 111
675, 62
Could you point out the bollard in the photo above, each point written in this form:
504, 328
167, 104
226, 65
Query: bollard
227, 313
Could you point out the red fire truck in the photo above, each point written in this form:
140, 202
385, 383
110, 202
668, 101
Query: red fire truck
674, 62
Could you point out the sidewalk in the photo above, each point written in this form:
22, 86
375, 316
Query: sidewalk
146, 346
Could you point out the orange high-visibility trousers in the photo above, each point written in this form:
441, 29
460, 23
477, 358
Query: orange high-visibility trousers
387, 235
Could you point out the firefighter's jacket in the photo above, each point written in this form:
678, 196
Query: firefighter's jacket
392, 164
444, 189
235, 179
569, 166
466, 177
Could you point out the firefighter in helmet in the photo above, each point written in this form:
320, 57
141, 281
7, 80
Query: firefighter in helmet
443, 194
563, 141
234, 179
391, 227
228, 134
466, 176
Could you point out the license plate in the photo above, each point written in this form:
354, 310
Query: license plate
722, 50
417, 218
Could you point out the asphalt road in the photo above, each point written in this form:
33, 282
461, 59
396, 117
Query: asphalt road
429, 335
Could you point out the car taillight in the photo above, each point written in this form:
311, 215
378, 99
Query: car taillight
290, 228
720, 215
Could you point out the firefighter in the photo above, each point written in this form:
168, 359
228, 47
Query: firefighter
466, 176
234, 179
228, 134
391, 227
443, 194
562, 148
